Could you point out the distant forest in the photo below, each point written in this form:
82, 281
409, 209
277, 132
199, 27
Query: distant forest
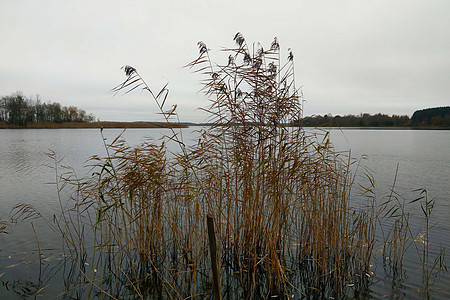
430, 117
19, 110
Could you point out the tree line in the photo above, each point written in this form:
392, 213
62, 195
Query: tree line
19, 110
430, 117
437, 116
362, 120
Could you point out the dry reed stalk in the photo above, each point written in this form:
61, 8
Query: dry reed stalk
281, 198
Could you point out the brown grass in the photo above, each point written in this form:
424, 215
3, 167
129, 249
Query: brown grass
283, 201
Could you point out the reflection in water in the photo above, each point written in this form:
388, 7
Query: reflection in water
82, 280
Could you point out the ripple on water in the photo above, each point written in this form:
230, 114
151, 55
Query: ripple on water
422, 155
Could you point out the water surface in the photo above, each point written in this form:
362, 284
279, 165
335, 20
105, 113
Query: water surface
422, 157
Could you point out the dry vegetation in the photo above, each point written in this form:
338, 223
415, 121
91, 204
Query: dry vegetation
282, 200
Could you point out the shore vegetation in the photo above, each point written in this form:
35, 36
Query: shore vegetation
254, 210
438, 117
19, 110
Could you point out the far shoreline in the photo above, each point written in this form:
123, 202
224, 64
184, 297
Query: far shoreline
155, 125
383, 128
99, 125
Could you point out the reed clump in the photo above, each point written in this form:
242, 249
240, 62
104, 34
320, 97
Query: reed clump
281, 198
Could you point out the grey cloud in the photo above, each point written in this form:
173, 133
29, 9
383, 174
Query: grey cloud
351, 56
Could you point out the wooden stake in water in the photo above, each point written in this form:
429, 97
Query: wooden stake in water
214, 262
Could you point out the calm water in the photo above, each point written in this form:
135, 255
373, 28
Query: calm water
423, 158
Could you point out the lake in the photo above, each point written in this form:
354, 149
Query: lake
422, 157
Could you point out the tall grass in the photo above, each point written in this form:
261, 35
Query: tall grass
282, 199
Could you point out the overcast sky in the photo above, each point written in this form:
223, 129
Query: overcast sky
351, 56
